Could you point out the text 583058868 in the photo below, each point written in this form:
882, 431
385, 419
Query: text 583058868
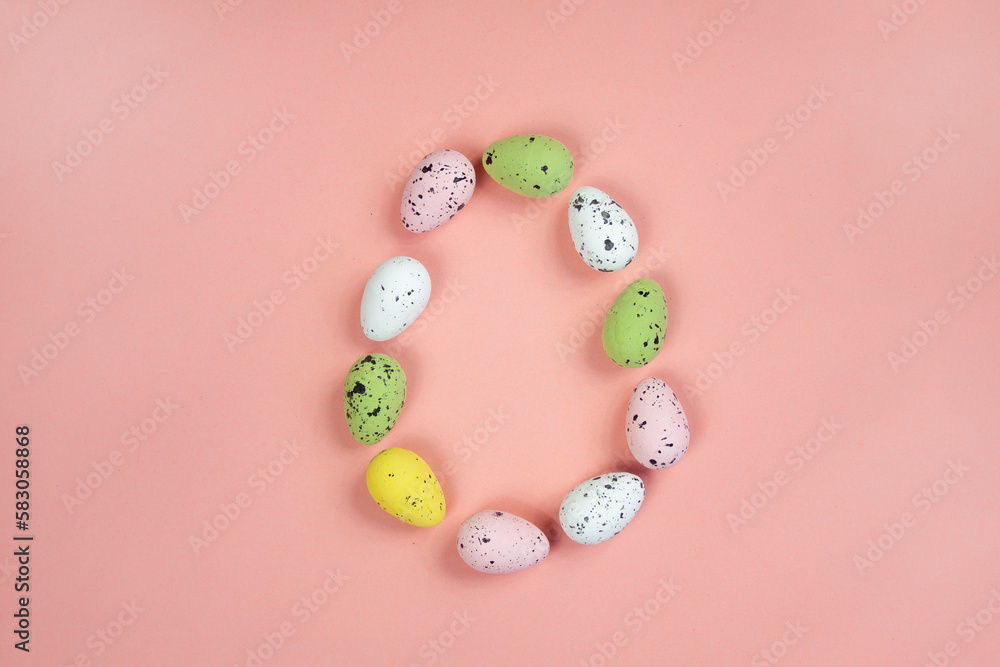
22, 506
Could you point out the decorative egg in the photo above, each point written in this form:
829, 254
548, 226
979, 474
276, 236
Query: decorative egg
655, 425
397, 292
603, 233
439, 187
530, 164
500, 542
634, 327
600, 508
374, 392
404, 486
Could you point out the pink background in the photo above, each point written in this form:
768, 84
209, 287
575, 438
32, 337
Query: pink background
510, 331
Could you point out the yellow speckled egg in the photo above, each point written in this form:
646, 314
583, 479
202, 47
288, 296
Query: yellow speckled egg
405, 486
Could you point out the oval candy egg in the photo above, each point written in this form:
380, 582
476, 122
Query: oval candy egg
397, 292
634, 327
374, 392
602, 232
499, 542
530, 164
600, 508
405, 486
655, 425
439, 187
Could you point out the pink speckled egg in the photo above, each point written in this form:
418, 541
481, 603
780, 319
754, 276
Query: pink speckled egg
655, 425
439, 187
500, 542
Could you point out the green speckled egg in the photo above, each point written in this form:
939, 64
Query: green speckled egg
373, 397
634, 327
530, 164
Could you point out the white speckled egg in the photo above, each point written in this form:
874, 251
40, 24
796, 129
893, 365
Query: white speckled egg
500, 542
439, 187
602, 231
655, 425
600, 508
394, 297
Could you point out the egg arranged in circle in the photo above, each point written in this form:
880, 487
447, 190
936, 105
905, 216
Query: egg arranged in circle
603, 233
374, 391
598, 509
635, 324
655, 425
405, 486
395, 295
500, 542
438, 188
530, 164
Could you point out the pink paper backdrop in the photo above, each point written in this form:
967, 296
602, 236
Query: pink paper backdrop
194, 194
